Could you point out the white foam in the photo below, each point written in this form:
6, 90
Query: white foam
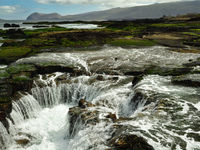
79, 26
49, 127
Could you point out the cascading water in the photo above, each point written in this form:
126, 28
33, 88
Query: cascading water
167, 116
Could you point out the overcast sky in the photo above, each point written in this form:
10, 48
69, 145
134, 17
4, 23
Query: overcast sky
20, 9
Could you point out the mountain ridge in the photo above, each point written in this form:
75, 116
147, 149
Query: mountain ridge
129, 13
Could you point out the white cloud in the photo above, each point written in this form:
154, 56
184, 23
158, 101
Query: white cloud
8, 9
107, 3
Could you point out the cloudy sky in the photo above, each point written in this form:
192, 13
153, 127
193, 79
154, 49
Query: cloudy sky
20, 9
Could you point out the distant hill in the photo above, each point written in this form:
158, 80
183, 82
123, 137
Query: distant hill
40, 16
140, 12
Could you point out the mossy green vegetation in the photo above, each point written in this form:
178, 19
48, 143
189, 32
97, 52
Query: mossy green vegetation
36, 42
69, 43
15, 69
130, 27
132, 42
163, 25
12, 53
186, 24
33, 33
2, 32
22, 79
5, 99
4, 74
191, 33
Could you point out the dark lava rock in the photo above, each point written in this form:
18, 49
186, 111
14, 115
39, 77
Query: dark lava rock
112, 116
193, 63
140, 97
40, 26
130, 142
122, 139
164, 71
81, 116
85, 114
137, 79
192, 80
84, 104
100, 77
5, 110
21, 84
15, 33
15, 25
7, 25
22, 142
47, 69
3, 120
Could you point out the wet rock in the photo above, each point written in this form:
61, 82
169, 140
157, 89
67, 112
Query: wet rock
40, 26
122, 139
21, 83
130, 142
15, 25
63, 77
84, 104
81, 116
15, 33
163, 71
100, 77
139, 98
123, 119
7, 25
193, 63
112, 116
5, 98
137, 79
22, 142
48, 68
5, 110
187, 80
5, 92
86, 114
3, 120
25, 139
195, 136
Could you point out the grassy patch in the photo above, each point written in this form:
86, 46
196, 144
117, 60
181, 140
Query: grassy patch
4, 74
186, 50
196, 30
36, 42
131, 42
21, 68
9, 54
21, 79
187, 24
2, 32
191, 33
68, 43
131, 28
164, 25
4, 99
31, 33
128, 36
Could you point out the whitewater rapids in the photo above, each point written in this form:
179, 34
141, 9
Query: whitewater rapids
167, 117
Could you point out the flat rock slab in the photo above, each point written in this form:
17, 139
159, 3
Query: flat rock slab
187, 80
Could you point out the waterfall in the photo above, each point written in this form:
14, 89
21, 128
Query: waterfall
5, 138
64, 93
41, 117
26, 107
